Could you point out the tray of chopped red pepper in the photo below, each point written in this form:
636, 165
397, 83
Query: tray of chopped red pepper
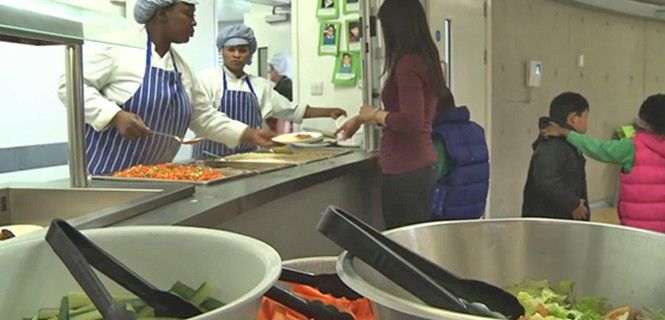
172, 172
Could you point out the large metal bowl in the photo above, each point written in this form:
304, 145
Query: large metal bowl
315, 265
621, 264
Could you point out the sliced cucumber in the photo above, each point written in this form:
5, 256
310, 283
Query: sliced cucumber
63, 313
78, 306
78, 300
182, 290
92, 315
81, 310
146, 312
201, 294
46, 313
211, 304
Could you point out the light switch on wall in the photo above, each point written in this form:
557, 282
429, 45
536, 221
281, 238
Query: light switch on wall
534, 72
317, 88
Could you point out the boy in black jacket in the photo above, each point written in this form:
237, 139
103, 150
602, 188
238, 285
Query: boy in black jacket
556, 184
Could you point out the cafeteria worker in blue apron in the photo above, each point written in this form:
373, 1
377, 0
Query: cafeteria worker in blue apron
129, 93
243, 97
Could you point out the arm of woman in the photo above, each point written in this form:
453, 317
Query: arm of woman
97, 70
101, 112
273, 104
410, 116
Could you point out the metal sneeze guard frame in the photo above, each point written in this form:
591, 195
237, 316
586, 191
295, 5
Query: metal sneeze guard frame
43, 22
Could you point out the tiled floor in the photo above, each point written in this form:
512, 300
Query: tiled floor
605, 215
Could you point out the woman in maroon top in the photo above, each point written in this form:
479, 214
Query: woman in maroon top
411, 96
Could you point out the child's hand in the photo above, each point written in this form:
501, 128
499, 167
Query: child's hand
581, 213
554, 130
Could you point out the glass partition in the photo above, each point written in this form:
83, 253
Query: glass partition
47, 22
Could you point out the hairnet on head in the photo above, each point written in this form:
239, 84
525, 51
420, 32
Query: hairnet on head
145, 9
236, 35
281, 62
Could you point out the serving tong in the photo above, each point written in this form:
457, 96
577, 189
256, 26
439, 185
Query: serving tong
426, 280
79, 255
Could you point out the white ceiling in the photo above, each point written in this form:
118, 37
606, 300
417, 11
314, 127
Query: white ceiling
232, 10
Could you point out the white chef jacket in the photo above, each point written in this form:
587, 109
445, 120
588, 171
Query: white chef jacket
111, 76
272, 103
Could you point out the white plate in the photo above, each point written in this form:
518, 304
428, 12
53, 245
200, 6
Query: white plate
290, 138
312, 144
21, 229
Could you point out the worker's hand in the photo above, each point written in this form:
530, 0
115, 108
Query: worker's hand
349, 128
581, 212
554, 130
337, 112
129, 125
312, 112
258, 137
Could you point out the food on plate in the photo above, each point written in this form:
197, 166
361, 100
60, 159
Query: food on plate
6, 234
542, 301
303, 136
17, 230
295, 137
170, 171
75, 306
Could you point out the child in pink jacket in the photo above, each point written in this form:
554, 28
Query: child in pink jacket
642, 160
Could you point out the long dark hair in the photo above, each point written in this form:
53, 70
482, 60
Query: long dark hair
405, 31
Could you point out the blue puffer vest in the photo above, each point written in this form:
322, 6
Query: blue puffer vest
462, 193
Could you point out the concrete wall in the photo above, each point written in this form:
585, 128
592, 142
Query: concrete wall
623, 64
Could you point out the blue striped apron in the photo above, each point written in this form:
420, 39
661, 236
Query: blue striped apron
162, 102
238, 105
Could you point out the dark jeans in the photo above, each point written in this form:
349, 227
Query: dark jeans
406, 197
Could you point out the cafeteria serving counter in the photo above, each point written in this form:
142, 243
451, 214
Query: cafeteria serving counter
280, 207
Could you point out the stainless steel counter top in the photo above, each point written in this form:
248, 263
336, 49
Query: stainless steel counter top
100, 204
217, 203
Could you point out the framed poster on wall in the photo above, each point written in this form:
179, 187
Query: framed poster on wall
351, 6
329, 34
347, 69
327, 9
353, 35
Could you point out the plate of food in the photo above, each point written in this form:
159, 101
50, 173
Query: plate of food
298, 137
15, 230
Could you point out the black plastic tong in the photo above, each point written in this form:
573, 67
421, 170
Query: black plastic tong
427, 281
79, 254
326, 283
315, 309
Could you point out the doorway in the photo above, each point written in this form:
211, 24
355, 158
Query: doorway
459, 31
